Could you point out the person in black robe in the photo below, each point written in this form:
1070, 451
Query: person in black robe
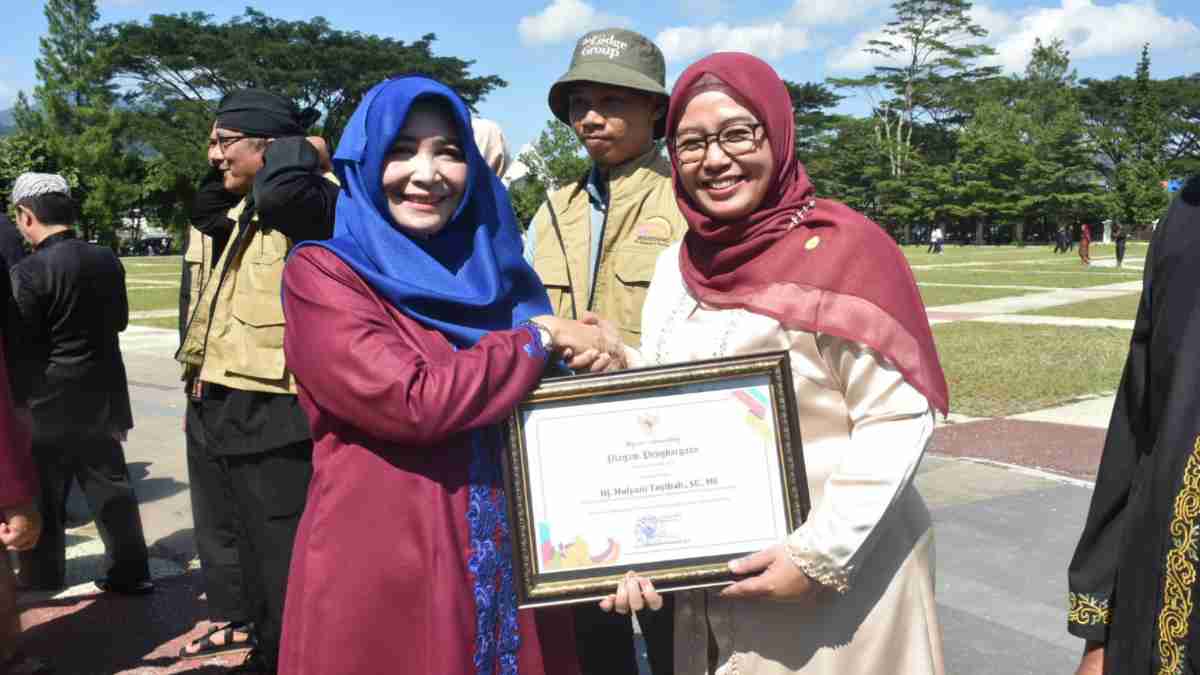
1133, 576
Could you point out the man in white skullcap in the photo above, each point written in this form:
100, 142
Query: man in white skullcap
71, 306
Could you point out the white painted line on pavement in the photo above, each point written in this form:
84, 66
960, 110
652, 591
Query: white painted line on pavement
1062, 321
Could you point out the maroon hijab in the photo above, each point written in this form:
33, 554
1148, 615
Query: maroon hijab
811, 264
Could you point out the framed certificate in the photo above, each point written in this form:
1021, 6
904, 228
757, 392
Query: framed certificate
669, 471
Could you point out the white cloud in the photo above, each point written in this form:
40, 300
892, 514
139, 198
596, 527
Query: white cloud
1086, 29
769, 40
1089, 30
564, 20
994, 21
853, 58
818, 12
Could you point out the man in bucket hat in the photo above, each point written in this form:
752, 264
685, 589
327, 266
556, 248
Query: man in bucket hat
595, 241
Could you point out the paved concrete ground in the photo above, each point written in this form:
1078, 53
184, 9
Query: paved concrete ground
1005, 529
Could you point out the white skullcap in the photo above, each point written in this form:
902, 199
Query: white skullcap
34, 184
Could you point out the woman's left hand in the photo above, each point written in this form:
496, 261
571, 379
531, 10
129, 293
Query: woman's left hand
776, 577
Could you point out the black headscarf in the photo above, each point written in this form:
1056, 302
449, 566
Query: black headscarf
256, 112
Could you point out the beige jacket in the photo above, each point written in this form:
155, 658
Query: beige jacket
643, 220
234, 335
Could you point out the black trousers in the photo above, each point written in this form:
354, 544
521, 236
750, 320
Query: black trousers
269, 491
1120, 251
604, 641
98, 465
215, 525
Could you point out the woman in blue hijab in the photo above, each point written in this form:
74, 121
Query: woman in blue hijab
412, 333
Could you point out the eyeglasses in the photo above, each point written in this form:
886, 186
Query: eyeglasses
734, 140
226, 142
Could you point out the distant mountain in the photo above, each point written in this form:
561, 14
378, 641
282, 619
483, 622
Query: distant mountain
7, 125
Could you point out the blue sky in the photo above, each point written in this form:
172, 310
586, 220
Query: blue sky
529, 42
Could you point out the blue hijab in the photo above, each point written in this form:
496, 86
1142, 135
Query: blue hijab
467, 280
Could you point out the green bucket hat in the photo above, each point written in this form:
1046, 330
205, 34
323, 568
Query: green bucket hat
617, 57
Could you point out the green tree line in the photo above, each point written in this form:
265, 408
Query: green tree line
952, 141
123, 110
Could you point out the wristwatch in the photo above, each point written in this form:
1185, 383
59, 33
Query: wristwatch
544, 335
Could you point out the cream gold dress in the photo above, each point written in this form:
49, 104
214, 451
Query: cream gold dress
868, 539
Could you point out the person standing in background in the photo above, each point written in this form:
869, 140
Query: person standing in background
214, 518
1060, 240
594, 244
1119, 235
1085, 244
243, 396
71, 303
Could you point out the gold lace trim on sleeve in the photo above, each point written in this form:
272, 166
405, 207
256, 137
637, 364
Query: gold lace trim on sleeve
1180, 573
1088, 610
819, 567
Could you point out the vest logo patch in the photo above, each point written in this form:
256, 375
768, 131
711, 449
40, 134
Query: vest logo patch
655, 231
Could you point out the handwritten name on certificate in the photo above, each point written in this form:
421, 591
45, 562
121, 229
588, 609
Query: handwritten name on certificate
636, 480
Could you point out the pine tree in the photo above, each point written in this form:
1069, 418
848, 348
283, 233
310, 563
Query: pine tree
933, 46
1139, 196
1058, 185
74, 110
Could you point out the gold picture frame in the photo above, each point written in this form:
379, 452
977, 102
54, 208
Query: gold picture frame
543, 572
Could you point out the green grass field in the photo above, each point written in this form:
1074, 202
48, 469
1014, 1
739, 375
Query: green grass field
1001, 369
1079, 278
936, 296
994, 369
1120, 307
153, 284
143, 299
991, 254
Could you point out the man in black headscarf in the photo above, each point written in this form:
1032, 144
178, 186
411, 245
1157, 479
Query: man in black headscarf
249, 445
1134, 574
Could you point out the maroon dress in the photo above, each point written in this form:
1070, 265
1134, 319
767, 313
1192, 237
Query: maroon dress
387, 563
18, 477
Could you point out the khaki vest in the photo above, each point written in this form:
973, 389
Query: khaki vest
197, 260
235, 333
643, 220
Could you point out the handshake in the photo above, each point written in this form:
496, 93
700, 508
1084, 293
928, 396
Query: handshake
590, 344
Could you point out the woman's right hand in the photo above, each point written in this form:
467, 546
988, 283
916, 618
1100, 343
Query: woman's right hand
633, 592
584, 346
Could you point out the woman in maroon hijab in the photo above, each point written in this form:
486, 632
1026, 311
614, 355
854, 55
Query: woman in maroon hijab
766, 265
1085, 244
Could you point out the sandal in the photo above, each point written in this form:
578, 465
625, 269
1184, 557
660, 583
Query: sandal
208, 647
